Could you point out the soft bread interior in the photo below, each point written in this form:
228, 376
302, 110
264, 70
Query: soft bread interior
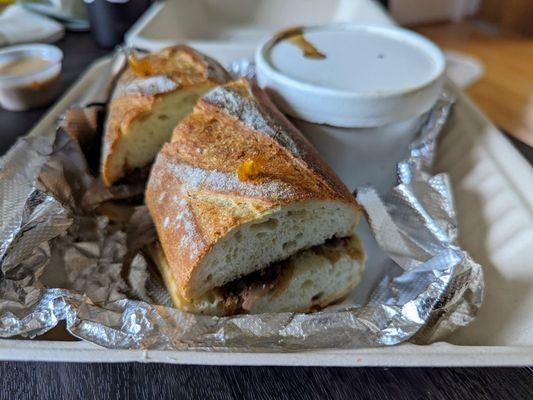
142, 140
309, 280
276, 236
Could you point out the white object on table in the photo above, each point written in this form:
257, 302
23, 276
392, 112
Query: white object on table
422, 11
462, 69
361, 104
33, 87
18, 25
231, 29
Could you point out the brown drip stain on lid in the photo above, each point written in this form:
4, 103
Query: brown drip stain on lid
296, 37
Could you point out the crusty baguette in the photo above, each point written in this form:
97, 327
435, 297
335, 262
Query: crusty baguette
239, 188
310, 280
149, 101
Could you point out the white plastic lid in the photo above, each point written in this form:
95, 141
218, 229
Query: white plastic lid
370, 75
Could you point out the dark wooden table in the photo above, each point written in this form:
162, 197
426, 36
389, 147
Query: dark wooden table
27, 380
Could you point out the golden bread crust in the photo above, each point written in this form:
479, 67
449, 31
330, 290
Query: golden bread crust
194, 194
173, 68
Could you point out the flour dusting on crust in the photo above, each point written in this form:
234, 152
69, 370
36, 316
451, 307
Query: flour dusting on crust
194, 179
149, 86
179, 219
246, 109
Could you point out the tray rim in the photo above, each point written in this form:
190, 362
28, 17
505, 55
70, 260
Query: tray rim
407, 354
439, 354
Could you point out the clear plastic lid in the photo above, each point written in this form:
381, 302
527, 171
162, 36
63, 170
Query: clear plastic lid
52, 56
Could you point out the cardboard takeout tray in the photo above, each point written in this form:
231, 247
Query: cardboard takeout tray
492, 185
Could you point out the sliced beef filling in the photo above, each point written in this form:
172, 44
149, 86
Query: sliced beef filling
240, 295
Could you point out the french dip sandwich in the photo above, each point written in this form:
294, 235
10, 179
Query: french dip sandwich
249, 217
152, 95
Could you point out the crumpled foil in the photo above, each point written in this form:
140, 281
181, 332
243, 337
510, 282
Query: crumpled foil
71, 250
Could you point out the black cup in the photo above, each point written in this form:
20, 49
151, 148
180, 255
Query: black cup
110, 19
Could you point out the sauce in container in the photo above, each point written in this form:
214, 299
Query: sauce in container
360, 99
29, 76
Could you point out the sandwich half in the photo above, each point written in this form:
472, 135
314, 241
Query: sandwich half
152, 95
249, 217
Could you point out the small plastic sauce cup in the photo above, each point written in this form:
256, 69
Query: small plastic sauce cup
29, 76
358, 92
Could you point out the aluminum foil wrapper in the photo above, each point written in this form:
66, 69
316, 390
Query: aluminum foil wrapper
71, 250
